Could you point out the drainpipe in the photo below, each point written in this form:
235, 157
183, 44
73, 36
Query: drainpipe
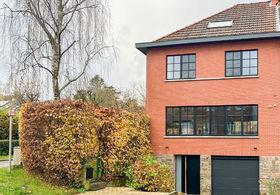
277, 16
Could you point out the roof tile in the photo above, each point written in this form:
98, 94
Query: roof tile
247, 19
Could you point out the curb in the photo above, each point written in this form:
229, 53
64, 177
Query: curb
5, 160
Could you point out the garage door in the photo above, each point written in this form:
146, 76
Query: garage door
235, 175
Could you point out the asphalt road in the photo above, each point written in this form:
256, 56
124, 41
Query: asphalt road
4, 163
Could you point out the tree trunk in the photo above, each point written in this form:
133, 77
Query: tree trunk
55, 68
56, 92
57, 52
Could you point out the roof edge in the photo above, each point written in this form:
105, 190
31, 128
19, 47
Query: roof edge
145, 45
224, 10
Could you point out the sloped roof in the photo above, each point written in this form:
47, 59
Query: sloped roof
247, 18
250, 22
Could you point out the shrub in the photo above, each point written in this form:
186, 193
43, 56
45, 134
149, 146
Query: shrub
149, 175
4, 146
123, 137
274, 186
4, 125
57, 138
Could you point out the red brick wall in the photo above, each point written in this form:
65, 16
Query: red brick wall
210, 63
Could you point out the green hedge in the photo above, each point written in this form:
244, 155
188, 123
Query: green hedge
4, 146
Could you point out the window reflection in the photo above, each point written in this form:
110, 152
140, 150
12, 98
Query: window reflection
212, 120
202, 120
172, 121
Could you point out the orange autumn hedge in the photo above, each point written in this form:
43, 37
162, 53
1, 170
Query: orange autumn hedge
56, 139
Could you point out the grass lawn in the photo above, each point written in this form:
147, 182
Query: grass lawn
20, 183
5, 157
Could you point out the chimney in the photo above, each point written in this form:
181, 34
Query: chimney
275, 2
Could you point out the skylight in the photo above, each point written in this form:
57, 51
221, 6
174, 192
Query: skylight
220, 24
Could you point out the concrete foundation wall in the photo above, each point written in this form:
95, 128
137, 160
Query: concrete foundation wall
205, 175
269, 170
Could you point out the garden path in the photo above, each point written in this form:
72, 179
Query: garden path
121, 191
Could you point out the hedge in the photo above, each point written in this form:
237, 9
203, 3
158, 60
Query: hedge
4, 146
4, 125
123, 137
57, 138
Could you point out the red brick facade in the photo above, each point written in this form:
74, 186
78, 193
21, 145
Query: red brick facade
274, 2
215, 89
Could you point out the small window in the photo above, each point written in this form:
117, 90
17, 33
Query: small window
241, 63
180, 67
220, 24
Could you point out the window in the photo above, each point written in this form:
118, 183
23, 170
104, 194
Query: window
234, 120
220, 24
212, 120
250, 120
241, 63
202, 120
187, 121
180, 67
217, 120
172, 121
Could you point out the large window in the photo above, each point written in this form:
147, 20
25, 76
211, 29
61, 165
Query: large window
180, 67
212, 120
241, 63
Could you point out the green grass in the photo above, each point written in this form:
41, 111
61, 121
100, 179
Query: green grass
5, 157
20, 183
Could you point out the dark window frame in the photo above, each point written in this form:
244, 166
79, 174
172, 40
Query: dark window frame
241, 62
181, 67
211, 121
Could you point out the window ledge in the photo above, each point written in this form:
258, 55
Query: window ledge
211, 137
217, 78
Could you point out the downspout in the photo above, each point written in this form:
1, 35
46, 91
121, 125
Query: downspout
277, 17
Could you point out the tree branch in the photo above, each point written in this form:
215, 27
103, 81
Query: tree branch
69, 47
84, 68
34, 13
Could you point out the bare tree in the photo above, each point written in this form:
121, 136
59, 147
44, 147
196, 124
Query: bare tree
141, 91
59, 37
26, 91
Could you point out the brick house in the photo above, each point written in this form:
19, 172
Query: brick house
213, 92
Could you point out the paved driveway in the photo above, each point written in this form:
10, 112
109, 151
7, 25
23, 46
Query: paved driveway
4, 163
121, 191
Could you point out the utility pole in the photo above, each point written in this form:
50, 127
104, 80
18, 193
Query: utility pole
12, 113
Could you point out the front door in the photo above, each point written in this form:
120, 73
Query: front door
188, 174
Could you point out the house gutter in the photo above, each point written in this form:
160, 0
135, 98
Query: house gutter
183, 42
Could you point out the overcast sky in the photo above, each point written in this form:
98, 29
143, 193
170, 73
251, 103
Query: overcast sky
146, 20
136, 21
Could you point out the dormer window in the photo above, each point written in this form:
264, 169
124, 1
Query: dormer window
220, 24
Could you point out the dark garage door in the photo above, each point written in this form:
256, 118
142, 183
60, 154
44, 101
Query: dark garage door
235, 175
